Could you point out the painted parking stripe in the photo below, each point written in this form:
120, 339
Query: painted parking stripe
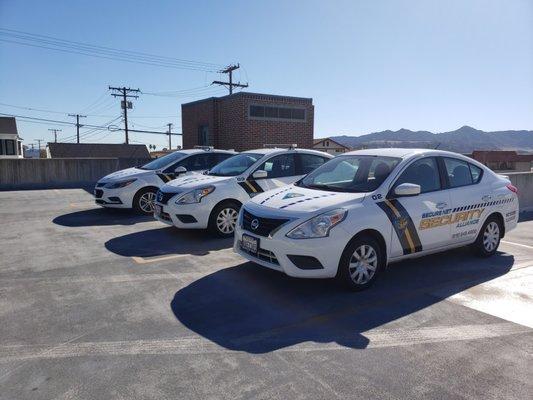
518, 244
378, 338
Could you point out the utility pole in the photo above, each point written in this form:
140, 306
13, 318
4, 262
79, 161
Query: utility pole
125, 104
78, 116
55, 133
229, 70
39, 141
169, 135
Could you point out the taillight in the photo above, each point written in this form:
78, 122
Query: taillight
512, 188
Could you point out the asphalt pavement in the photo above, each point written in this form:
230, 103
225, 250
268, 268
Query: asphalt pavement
104, 304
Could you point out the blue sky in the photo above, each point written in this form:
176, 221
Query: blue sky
368, 65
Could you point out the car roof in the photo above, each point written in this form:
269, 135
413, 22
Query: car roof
280, 150
405, 153
194, 151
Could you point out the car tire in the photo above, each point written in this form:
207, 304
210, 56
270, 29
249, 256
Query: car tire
143, 201
223, 219
361, 263
488, 238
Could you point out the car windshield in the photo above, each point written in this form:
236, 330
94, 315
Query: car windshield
358, 173
235, 165
162, 162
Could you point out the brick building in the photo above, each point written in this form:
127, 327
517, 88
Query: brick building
244, 121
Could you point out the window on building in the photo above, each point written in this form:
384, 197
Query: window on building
2, 147
10, 147
203, 135
276, 112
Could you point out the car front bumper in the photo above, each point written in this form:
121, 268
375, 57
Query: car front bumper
296, 257
184, 216
114, 198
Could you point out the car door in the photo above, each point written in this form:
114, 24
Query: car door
281, 170
470, 198
419, 223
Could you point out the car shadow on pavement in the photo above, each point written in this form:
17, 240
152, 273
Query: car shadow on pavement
101, 217
256, 310
164, 241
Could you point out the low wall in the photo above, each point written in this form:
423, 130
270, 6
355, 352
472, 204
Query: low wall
59, 172
524, 182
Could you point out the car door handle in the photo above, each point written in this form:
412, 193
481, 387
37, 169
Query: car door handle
441, 205
486, 198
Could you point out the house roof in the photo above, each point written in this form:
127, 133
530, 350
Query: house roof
8, 125
500, 156
97, 150
317, 141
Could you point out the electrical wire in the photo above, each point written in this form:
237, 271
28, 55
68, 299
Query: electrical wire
67, 46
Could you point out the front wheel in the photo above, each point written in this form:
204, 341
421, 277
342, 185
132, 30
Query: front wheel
360, 264
143, 202
489, 237
223, 219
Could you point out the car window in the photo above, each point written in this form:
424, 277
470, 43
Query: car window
221, 157
460, 172
162, 162
423, 172
358, 173
279, 166
476, 173
196, 162
309, 162
235, 165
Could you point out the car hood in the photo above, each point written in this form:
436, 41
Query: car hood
194, 181
296, 199
124, 174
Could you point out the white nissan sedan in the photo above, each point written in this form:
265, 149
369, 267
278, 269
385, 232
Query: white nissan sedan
136, 187
213, 200
360, 211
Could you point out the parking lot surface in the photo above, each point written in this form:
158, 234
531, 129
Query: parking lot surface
103, 304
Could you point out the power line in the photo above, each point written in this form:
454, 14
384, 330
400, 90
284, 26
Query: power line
67, 46
55, 133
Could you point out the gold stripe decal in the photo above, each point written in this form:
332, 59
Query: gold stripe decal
403, 225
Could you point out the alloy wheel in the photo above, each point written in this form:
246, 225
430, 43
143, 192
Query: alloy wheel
491, 236
146, 202
363, 264
226, 220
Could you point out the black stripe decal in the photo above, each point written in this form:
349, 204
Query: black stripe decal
410, 225
398, 228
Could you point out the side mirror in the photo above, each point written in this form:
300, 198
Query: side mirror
407, 189
260, 174
180, 170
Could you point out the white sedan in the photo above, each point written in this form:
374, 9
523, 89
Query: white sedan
136, 187
360, 211
213, 200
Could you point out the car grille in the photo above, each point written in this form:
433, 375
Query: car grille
98, 193
262, 254
164, 197
265, 226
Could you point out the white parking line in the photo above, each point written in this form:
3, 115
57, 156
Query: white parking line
518, 244
377, 338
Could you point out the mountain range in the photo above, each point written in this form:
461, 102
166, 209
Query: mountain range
463, 140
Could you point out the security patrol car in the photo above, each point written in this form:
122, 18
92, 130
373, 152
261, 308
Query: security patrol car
213, 200
360, 211
136, 187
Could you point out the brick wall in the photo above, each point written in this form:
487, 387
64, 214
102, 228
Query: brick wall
230, 127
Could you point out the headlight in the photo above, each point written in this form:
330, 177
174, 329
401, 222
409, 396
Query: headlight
119, 184
194, 196
318, 226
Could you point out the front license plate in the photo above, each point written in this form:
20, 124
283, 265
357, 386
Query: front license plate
158, 209
249, 243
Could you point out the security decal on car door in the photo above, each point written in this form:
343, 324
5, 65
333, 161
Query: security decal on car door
403, 225
251, 187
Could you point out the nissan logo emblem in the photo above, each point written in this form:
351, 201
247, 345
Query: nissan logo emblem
254, 224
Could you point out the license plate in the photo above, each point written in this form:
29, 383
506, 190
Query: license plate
249, 243
158, 209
